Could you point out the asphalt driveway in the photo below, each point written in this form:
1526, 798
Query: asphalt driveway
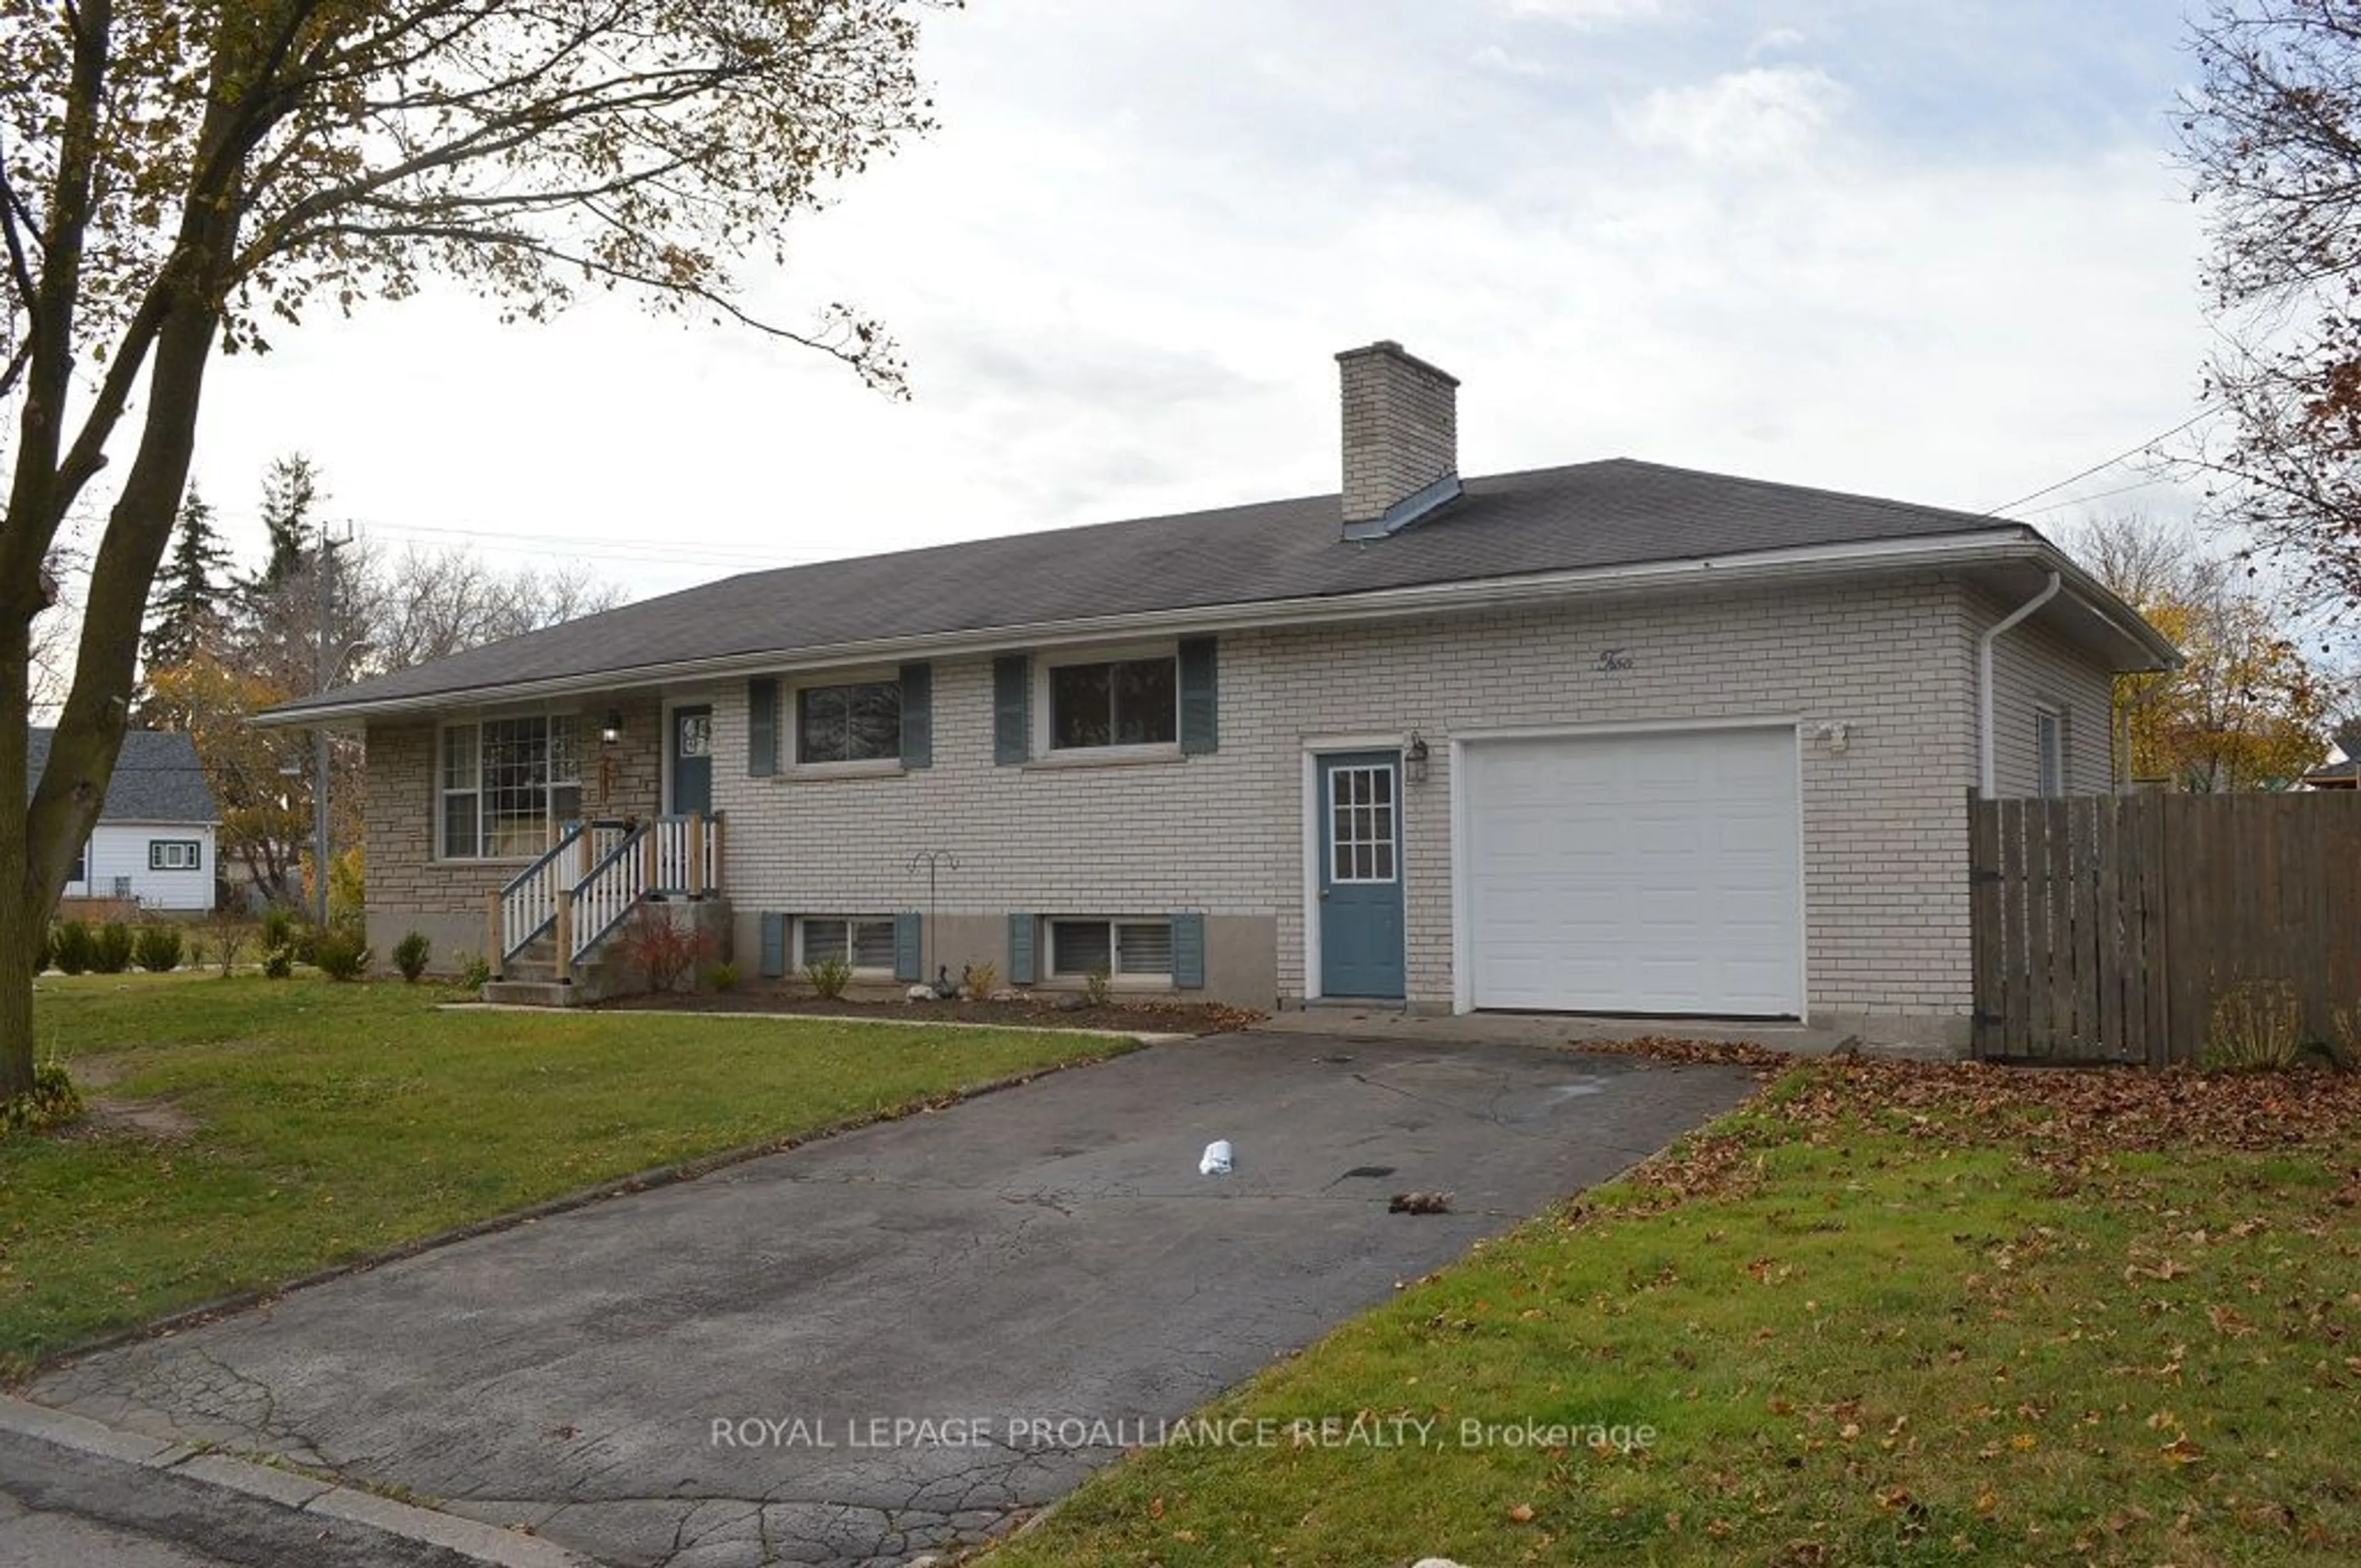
712, 1373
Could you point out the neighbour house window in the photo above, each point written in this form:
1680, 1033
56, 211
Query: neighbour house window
865, 941
859, 721
1116, 702
174, 855
1118, 947
504, 782
81, 871
2049, 748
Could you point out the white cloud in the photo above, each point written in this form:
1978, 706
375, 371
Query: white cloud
1492, 57
1763, 114
1586, 13
1774, 41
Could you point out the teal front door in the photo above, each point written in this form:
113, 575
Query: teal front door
692, 761
1360, 874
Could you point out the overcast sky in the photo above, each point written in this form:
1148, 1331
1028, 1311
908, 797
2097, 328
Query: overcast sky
1929, 250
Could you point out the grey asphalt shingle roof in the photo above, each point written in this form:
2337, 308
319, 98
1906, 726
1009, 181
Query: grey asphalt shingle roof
157, 778
1592, 514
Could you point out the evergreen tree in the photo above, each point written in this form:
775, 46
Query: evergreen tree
185, 614
291, 499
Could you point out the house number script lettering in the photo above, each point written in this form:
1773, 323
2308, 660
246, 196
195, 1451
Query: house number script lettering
1615, 659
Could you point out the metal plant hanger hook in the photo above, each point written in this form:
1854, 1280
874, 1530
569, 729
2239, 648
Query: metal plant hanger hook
936, 861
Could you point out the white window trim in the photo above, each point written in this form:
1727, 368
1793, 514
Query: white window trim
2060, 714
1043, 726
1055, 978
444, 724
800, 962
161, 856
791, 717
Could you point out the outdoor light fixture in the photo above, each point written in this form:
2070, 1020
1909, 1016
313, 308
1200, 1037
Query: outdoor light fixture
1416, 757
614, 729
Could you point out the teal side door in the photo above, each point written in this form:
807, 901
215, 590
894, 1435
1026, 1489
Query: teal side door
691, 746
1360, 874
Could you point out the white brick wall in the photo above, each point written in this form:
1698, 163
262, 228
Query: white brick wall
1884, 846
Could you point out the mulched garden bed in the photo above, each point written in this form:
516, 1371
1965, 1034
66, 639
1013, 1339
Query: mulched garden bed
1033, 1012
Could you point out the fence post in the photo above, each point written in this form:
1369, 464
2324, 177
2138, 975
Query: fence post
1983, 926
696, 867
714, 880
494, 948
651, 863
564, 934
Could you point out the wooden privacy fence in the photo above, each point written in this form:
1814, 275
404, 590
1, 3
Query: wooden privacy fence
2105, 926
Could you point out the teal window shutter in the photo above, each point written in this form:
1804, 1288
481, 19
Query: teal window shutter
1200, 697
775, 944
918, 716
1012, 715
761, 726
909, 961
1022, 969
1189, 952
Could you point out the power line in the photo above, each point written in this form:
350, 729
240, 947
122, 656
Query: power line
2099, 496
2101, 467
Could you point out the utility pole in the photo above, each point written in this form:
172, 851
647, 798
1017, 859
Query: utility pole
329, 661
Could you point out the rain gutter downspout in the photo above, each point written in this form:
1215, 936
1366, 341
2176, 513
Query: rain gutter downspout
1984, 680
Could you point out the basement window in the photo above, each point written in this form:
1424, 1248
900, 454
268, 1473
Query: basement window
1123, 949
864, 941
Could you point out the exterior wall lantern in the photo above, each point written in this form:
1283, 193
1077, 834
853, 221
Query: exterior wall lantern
1414, 759
612, 731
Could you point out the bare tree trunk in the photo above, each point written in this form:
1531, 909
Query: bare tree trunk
19, 922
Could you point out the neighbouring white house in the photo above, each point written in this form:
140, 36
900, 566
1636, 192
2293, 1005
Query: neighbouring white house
1611, 738
153, 844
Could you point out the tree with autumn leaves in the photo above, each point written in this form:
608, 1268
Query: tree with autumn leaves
2246, 709
181, 178
2271, 136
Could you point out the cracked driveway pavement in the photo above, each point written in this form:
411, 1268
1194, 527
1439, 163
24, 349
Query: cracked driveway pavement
1047, 1253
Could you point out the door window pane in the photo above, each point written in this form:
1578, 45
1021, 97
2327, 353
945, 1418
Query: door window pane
1361, 825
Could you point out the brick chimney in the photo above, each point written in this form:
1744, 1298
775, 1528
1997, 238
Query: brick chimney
1401, 439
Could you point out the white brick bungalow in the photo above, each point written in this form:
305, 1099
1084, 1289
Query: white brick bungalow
1611, 738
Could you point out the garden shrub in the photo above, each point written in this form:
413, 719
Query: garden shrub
277, 963
71, 948
409, 954
828, 977
340, 954
159, 948
2256, 1025
663, 953
111, 953
475, 971
721, 976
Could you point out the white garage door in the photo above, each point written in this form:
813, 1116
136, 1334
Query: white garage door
1636, 873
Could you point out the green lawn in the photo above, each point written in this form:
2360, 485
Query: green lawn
1875, 1317
335, 1120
